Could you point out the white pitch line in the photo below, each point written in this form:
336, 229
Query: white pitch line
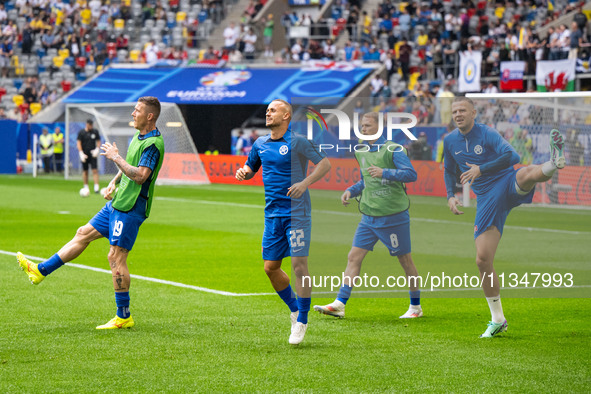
230, 294
424, 220
148, 279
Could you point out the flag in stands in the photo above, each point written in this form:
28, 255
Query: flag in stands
470, 64
512, 75
555, 75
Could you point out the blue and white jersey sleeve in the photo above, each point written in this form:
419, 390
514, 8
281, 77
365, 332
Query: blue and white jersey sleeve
307, 149
404, 171
357, 188
254, 160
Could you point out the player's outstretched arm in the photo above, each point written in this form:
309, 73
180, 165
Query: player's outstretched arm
297, 189
137, 174
245, 173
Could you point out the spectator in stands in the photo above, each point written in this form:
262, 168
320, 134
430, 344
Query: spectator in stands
377, 83
268, 30
445, 98
27, 39
249, 39
15, 114
43, 94
151, 52
210, 54
490, 88
576, 40
6, 52
47, 39
122, 42
564, 42
100, 50
404, 52
230, 37
3, 14
2, 113
30, 92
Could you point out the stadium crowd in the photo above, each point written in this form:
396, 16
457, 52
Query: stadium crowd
49, 46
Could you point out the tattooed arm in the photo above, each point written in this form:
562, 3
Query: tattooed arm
137, 174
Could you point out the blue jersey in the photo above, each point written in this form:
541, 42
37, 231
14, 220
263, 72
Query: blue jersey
285, 162
481, 145
404, 172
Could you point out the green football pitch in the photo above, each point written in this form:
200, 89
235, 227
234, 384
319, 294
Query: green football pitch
207, 319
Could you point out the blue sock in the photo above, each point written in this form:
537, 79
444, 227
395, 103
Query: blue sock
289, 297
304, 308
344, 294
415, 297
48, 266
122, 300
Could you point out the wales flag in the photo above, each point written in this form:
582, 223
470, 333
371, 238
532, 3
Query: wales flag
556, 75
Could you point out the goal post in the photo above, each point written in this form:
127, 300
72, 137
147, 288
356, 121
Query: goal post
525, 121
181, 165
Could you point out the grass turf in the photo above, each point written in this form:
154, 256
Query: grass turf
187, 340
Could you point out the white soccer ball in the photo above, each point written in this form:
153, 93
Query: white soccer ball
84, 192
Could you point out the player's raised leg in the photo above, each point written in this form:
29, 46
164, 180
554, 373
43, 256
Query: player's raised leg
527, 177
121, 281
37, 272
412, 278
486, 247
337, 307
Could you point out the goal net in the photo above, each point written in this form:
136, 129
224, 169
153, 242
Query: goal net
114, 123
526, 119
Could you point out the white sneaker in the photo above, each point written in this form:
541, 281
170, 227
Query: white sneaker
413, 312
297, 333
335, 308
294, 318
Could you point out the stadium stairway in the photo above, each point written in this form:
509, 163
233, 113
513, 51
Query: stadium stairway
234, 12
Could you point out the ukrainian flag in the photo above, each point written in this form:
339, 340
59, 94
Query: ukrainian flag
551, 5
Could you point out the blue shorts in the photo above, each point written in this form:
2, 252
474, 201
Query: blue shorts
121, 228
493, 207
396, 238
286, 236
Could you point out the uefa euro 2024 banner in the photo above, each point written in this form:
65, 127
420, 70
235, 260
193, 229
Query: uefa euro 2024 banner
220, 86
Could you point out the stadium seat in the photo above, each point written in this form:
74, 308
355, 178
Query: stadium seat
15, 61
66, 86
64, 53
181, 16
119, 24
40, 52
134, 55
58, 61
81, 62
35, 107
2, 92
17, 82
18, 99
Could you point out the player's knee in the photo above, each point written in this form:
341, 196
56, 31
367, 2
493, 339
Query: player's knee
271, 268
83, 233
483, 263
